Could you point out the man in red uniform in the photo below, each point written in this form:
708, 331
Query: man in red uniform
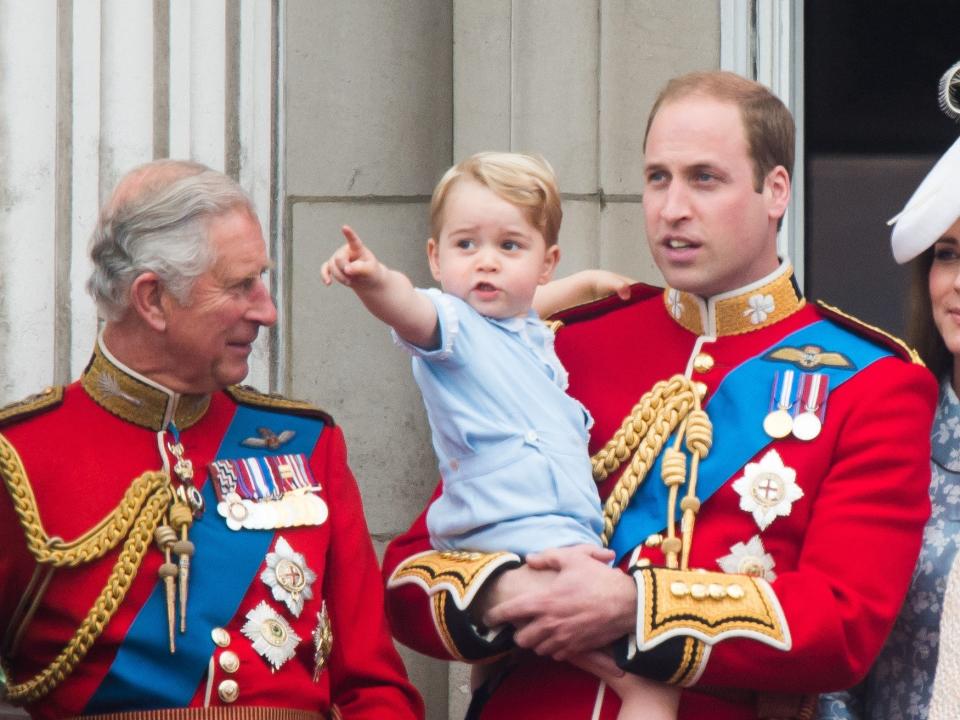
764, 463
173, 541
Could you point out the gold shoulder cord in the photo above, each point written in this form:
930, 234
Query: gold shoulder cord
133, 521
668, 405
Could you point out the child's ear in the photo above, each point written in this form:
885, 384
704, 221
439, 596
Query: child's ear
550, 260
433, 256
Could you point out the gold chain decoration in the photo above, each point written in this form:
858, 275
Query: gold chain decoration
135, 518
621, 446
698, 439
93, 544
642, 434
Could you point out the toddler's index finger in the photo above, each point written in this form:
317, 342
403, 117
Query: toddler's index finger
353, 240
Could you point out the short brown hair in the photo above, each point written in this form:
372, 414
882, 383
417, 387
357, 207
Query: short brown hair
922, 333
767, 123
523, 180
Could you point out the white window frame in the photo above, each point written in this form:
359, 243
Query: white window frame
763, 40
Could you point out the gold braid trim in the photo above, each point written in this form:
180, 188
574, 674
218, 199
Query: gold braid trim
136, 518
621, 446
642, 435
93, 544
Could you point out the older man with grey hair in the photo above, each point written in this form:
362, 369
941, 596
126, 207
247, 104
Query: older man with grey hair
174, 541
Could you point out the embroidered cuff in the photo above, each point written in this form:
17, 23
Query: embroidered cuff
682, 613
452, 580
710, 606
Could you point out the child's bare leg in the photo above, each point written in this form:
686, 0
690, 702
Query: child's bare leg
640, 698
643, 699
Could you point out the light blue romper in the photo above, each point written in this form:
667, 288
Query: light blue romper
511, 444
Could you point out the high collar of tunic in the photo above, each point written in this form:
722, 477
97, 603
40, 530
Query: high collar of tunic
136, 398
752, 307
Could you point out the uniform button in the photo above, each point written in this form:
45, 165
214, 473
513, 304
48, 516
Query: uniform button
698, 591
220, 637
228, 691
716, 591
703, 362
735, 591
701, 389
678, 589
531, 436
229, 661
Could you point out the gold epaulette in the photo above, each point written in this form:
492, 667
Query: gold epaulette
246, 395
876, 334
47, 399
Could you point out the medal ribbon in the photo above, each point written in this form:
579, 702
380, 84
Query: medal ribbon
144, 675
812, 394
738, 406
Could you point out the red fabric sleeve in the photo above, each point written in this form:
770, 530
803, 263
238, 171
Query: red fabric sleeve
368, 679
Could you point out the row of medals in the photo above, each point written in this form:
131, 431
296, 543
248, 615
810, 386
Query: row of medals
784, 419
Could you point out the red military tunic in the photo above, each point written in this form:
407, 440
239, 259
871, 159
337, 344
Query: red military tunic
78, 457
835, 559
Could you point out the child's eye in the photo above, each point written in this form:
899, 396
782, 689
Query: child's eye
464, 243
510, 245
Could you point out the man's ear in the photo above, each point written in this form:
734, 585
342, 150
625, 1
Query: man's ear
433, 256
147, 300
550, 260
776, 189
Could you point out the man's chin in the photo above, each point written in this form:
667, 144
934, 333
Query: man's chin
234, 375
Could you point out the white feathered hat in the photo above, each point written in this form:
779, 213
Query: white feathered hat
935, 204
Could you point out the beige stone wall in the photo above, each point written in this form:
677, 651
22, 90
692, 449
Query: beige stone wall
381, 97
377, 99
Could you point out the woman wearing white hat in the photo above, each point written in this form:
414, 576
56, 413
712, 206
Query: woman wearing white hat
917, 674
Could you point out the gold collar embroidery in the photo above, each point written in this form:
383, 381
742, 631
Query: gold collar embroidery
755, 306
137, 399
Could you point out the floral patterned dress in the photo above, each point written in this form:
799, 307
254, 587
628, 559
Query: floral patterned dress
901, 681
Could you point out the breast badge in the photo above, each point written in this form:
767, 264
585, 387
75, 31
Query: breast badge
768, 489
810, 357
749, 558
269, 439
322, 642
288, 577
271, 636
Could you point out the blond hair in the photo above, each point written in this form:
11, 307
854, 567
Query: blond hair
523, 180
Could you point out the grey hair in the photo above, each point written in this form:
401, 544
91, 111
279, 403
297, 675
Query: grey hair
156, 221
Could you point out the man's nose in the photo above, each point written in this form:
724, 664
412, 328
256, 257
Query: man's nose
676, 203
262, 309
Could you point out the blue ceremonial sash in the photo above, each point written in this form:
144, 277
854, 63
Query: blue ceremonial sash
144, 675
737, 408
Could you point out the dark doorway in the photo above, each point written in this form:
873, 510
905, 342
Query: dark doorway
872, 130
